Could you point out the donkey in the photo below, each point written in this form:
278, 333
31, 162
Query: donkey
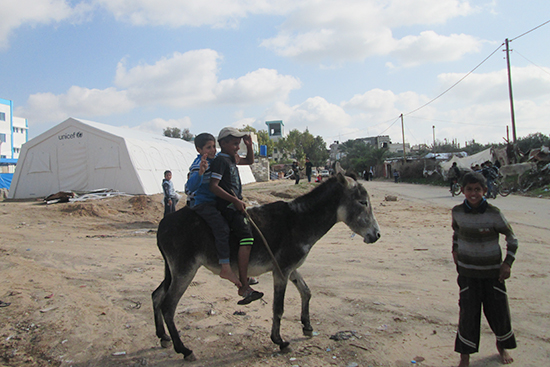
290, 228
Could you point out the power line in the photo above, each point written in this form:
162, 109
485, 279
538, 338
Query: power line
455, 122
455, 84
537, 27
516, 51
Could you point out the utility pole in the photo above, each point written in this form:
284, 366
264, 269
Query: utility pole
510, 91
433, 128
403, 133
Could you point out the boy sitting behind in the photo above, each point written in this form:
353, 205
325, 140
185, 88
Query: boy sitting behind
203, 202
225, 183
481, 271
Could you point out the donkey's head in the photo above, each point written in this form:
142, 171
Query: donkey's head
355, 210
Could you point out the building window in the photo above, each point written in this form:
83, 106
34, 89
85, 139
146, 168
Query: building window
2, 138
2, 116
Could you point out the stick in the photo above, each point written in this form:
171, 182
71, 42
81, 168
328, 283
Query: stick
266, 245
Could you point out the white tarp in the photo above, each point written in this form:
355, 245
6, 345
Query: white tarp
79, 155
467, 162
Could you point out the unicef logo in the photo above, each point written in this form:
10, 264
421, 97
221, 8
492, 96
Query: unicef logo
70, 135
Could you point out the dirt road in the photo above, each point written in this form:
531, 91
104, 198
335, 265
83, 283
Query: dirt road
79, 278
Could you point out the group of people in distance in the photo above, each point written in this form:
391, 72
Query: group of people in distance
215, 193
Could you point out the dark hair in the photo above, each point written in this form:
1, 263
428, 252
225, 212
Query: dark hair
167, 171
202, 139
473, 178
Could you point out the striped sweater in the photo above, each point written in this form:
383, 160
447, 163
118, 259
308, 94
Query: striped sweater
476, 240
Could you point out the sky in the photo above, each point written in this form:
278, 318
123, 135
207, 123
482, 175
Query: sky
343, 69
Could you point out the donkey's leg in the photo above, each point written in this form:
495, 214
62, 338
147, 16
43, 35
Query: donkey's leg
305, 295
158, 297
179, 284
279, 289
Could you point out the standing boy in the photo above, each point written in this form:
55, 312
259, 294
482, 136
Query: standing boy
309, 168
171, 197
481, 271
225, 183
203, 202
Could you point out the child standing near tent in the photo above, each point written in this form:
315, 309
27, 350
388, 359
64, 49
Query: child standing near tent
225, 183
171, 197
203, 202
481, 270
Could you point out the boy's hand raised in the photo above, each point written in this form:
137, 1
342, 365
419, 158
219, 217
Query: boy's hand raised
247, 139
203, 165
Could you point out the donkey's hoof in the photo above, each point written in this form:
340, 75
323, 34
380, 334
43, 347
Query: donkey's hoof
190, 358
165, 343
308, 332
285, 347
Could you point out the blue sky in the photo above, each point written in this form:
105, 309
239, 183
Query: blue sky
343, 69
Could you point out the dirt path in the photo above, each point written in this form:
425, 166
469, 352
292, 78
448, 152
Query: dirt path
79, 278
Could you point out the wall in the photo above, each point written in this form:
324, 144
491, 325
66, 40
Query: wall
260, 169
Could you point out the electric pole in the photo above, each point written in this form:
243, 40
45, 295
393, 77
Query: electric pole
510, 91
403, 133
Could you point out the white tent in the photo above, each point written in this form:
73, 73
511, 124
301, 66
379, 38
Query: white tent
79, 155
467, 162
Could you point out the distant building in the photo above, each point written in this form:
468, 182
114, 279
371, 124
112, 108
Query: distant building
13, 131
398, 148
276, 131
381, 141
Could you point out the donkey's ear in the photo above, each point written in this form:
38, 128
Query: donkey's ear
338, 168
342, 178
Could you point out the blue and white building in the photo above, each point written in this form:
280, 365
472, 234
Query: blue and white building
13, 132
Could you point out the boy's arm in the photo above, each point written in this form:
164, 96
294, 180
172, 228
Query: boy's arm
193, 182
195, 176
221, 193
511, 240
249, 159
455, 240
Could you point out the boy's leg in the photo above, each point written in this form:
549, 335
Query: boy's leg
239, 225
464, 360
467, 338
497, 312
220, 230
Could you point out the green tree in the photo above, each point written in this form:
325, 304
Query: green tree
298, 145
172, 132
359, 156
186, 135
533, 141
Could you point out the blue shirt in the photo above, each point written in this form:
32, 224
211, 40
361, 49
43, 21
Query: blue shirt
197, 187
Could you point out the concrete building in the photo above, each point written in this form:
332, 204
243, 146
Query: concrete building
13, 131
276, 131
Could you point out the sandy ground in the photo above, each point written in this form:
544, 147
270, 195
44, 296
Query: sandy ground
79, 278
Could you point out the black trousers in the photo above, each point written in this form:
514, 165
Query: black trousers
219, 226
489, 294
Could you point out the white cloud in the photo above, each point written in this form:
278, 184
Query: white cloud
431, 47
528, 83
159, 124
14, 14
260, 86
356, 29
179, 81
216, 13
191, 79
77, 102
